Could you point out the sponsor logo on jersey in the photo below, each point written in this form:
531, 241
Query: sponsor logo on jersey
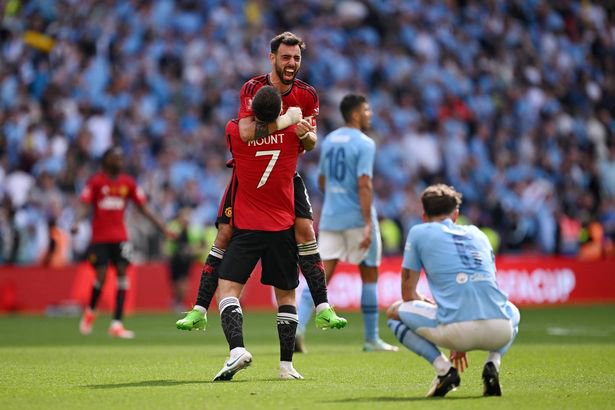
228, 212
461, 278
110, 203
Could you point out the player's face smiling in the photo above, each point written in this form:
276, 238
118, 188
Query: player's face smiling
287, 62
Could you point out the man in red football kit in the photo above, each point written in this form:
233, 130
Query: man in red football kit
300, 106
263, 218
108, 192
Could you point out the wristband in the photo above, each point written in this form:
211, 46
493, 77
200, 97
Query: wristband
283, 122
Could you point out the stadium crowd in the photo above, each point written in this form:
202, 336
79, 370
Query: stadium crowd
511, 102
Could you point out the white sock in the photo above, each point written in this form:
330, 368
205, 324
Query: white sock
495, 358
441, 365
286, 365
321, 307
200, 309
116, 323
236, 352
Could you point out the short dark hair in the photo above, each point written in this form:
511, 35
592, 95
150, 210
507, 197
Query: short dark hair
267, 103
114, 149
287, 38
440, 199
350, 103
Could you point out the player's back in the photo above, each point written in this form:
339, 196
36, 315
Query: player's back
346, 154
460, 268
263, 192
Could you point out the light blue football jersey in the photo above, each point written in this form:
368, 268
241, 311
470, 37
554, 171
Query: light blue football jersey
460, 268
346, 154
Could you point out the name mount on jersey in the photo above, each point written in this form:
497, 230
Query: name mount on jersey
268, 140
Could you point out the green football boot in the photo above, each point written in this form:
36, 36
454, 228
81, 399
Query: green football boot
328, 319
193, 320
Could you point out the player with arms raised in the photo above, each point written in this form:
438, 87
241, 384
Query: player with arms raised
108, 192
263, 220
300, 106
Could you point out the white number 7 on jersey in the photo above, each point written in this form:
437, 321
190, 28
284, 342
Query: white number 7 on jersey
275, 154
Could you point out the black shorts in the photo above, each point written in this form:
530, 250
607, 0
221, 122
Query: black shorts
303, 207
276, 250
179, 267
225, 209
118, 253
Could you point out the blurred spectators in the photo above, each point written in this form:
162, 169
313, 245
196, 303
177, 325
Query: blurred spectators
512, 102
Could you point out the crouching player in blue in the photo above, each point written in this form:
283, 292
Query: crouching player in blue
468, 312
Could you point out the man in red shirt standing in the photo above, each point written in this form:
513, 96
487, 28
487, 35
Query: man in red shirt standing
108, 192
300, 106
263, 218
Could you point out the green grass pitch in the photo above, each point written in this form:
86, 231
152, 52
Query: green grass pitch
563, 358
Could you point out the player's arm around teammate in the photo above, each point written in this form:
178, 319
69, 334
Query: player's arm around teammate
254, 128
285, 59
306, 132
262, 233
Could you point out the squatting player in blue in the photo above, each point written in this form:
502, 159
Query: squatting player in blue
470, 312
348, 224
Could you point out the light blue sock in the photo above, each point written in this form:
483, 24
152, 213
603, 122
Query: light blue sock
414, 342
304, 310
369, 308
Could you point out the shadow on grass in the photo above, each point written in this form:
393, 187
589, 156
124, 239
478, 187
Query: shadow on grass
151, 383
400, 399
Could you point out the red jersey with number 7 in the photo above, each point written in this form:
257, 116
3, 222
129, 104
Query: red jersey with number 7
262, 188
110, 196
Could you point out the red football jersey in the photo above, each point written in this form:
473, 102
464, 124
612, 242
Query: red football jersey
300, 94
263, 189
110, 197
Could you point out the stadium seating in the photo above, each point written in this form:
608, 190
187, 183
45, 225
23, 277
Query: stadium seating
511, 102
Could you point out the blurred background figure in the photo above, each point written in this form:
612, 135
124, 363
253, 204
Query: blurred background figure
58, 250
188, 247
107, 194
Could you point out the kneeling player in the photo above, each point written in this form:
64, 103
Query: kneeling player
469, 313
